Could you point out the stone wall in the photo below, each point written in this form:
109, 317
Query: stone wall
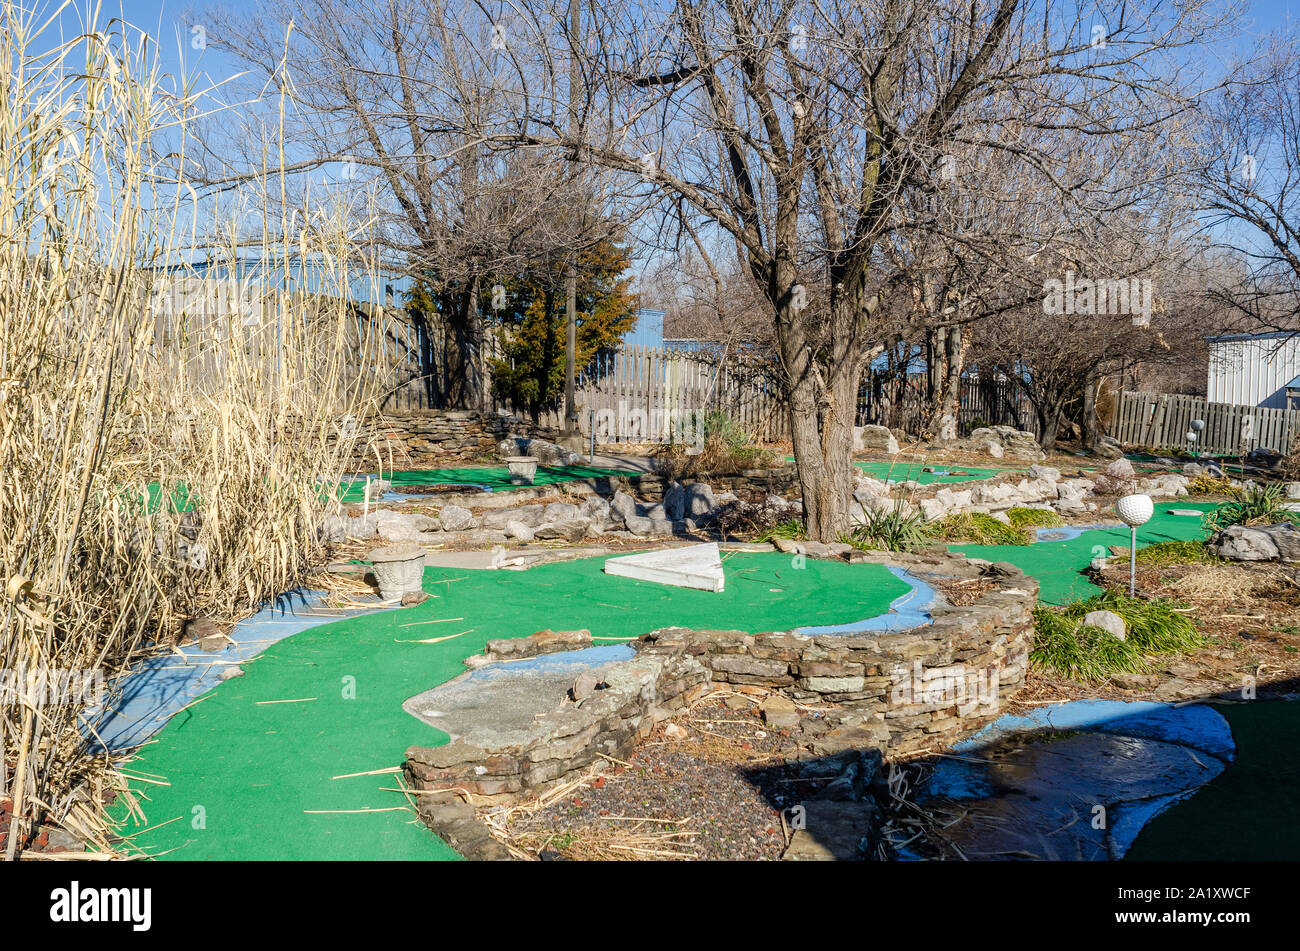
897, 692
422, 439
906, 690
490, 766
752, 484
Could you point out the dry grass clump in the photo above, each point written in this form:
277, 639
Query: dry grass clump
1224, 583
162, 456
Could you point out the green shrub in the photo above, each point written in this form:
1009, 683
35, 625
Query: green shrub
1252, 505
1164, 554
791, 528
1033, 518
978, 528
1063, 645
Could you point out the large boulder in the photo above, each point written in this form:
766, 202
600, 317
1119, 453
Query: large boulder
455, 518
547, 453
1107, 447
1118, 478
699, 501
1287, 539
1015, 442
675, 500
622, 507
1239, 543
874, 439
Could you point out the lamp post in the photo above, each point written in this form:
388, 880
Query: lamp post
1134, 510
1198, 425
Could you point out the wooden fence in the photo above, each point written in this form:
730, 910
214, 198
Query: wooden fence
902, 403
1163, 420
646, 394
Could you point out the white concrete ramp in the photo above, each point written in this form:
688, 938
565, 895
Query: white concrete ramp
691, 566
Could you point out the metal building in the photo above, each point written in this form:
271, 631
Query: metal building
1255, 370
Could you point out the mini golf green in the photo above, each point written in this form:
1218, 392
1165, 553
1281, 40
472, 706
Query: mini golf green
902, 472
494, 478
248, 770
1058, 564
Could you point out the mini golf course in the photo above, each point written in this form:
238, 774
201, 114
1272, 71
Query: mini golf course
296, 759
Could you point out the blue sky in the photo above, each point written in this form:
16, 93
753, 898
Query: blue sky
171, 22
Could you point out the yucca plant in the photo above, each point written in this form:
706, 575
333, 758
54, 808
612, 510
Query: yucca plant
893, 528
1252, 505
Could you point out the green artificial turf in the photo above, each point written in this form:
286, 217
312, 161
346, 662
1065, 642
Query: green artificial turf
243, 777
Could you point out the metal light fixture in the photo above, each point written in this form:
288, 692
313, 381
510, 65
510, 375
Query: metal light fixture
1134, 510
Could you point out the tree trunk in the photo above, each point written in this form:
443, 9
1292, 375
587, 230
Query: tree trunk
1088, 419
822, 401
951, 348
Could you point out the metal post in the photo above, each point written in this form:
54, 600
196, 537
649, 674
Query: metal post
1133, 563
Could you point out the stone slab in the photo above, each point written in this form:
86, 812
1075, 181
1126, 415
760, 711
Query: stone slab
691, 566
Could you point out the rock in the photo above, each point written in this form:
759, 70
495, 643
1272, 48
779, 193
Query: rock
1179, 689
1107, 447
377, 488
333, 528
1108, 621
700, 500
639, 525
1017, 442
519, 530
990, 447
588, 682
213, 643
1292, 490
828, 831
874, 439
230, 673
546, 453
1127, 681
622, 507
779, 711
559, 512
675, 731
196, 629
1287, 539
570, 530
675, 501
1239, 543
403, 526
595, 508
454, 518
1045, 473
412, 598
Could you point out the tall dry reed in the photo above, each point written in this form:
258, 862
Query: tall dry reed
163, 442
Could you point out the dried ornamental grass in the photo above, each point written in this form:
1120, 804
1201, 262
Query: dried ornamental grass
162, 458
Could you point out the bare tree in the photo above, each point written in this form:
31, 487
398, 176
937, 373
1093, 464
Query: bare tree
797, 129
1250, 182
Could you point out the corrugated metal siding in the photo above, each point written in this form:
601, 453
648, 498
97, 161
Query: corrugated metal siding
1252, 371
